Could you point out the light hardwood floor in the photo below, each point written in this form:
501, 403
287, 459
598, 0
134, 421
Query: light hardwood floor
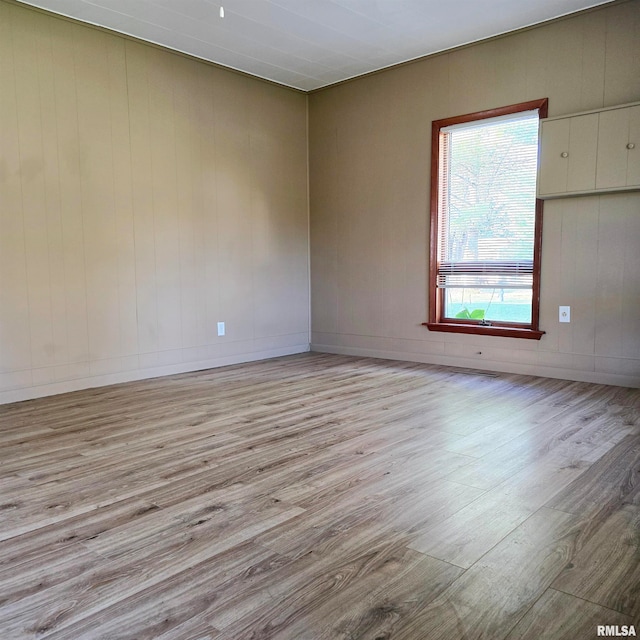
319, 496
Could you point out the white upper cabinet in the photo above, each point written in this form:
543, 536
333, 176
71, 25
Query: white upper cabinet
592, 152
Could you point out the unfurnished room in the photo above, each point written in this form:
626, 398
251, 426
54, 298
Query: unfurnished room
319, 319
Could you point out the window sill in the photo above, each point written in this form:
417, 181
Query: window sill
494, 330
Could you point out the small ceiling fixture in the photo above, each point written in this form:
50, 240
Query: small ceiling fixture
222, 12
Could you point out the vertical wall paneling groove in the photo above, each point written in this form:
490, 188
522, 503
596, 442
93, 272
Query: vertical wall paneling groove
68, 162
144, 196
15, 367
33, 190
609, 294
631, 300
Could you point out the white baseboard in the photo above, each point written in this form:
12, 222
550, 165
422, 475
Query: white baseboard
620, 380
40, 391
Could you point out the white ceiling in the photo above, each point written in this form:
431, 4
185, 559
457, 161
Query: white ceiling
308, 44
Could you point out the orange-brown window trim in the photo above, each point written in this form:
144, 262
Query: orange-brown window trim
436, 294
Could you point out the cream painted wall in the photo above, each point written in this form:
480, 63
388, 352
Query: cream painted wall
144, 196
369, 181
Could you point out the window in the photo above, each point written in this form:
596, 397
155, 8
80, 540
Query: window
486, 223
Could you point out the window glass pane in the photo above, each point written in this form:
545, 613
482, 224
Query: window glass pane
492, 304
491, 191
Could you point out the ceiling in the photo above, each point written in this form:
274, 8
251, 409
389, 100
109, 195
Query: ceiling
308, 44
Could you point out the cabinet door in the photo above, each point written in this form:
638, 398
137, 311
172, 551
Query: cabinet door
568, 155
554, 142
633, 154
613, 138
583, 149
618, 148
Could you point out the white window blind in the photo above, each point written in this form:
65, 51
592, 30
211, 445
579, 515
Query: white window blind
487, 203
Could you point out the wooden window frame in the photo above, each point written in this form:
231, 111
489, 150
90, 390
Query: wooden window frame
436, 295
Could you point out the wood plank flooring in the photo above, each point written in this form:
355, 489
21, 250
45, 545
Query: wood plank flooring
322, 497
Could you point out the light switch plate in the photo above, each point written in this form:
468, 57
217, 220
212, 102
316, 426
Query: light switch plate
564, 314
220, 328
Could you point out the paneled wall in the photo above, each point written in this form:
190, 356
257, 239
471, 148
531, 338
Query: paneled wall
369, 181
144, 197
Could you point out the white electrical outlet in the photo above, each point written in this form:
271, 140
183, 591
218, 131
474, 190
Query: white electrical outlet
220, 328
564, 314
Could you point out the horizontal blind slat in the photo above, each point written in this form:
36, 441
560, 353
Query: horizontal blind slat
486, 267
